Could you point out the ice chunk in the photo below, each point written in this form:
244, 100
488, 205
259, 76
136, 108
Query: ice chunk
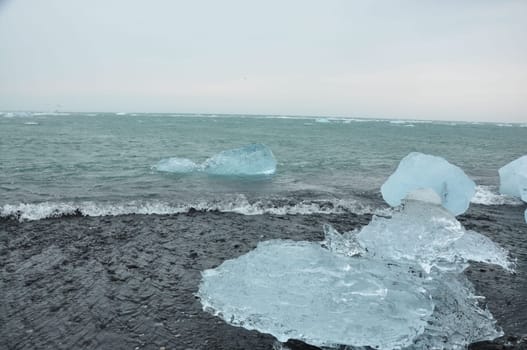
421, 171
250, 160
457, 320
394, 284
427, 195
176, 165
254, 159
431, 236
345, 244
513, 178
298, 290
473, 246
366, 289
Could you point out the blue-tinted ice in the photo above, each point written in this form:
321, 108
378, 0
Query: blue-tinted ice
420, 171
431, 236
513, 178
299, 290
250, 160
254, 159
397, 283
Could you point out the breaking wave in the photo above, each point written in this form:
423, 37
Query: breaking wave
487, 195
239, 205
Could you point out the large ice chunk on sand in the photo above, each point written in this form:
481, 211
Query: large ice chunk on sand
430, 235
513, 178
394, 284
254, 159
250, 160
421, 171
299, 290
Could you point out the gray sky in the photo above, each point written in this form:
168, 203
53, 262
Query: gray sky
449, 59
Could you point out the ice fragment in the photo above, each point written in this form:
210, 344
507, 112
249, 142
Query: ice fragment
422, 171
394, 284
250, 160
254, 159
513, 178
431, 236
299, 290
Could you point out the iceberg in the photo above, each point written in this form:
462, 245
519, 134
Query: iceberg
254, 159
513, 178
422, 171
250, 160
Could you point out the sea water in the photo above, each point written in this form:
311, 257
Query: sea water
104, 163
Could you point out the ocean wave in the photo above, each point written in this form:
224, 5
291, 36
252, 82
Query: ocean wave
487, 195
240, 205
23, 114
17, 114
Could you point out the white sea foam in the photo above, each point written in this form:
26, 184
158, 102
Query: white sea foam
238, 204
488, 195
17, 114
37, 114
361, 120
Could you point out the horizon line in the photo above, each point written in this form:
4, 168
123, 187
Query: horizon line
270, 115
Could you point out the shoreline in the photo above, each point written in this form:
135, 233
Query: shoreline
126, 282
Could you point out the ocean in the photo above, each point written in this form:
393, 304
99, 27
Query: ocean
98, 249
101, 164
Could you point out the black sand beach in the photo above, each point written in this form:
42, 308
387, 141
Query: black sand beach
128, 282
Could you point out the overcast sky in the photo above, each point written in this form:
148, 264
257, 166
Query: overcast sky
449, 59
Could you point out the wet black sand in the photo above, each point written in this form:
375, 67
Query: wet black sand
128, 282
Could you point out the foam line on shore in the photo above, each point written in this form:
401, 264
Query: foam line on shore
488, 195
239, 205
